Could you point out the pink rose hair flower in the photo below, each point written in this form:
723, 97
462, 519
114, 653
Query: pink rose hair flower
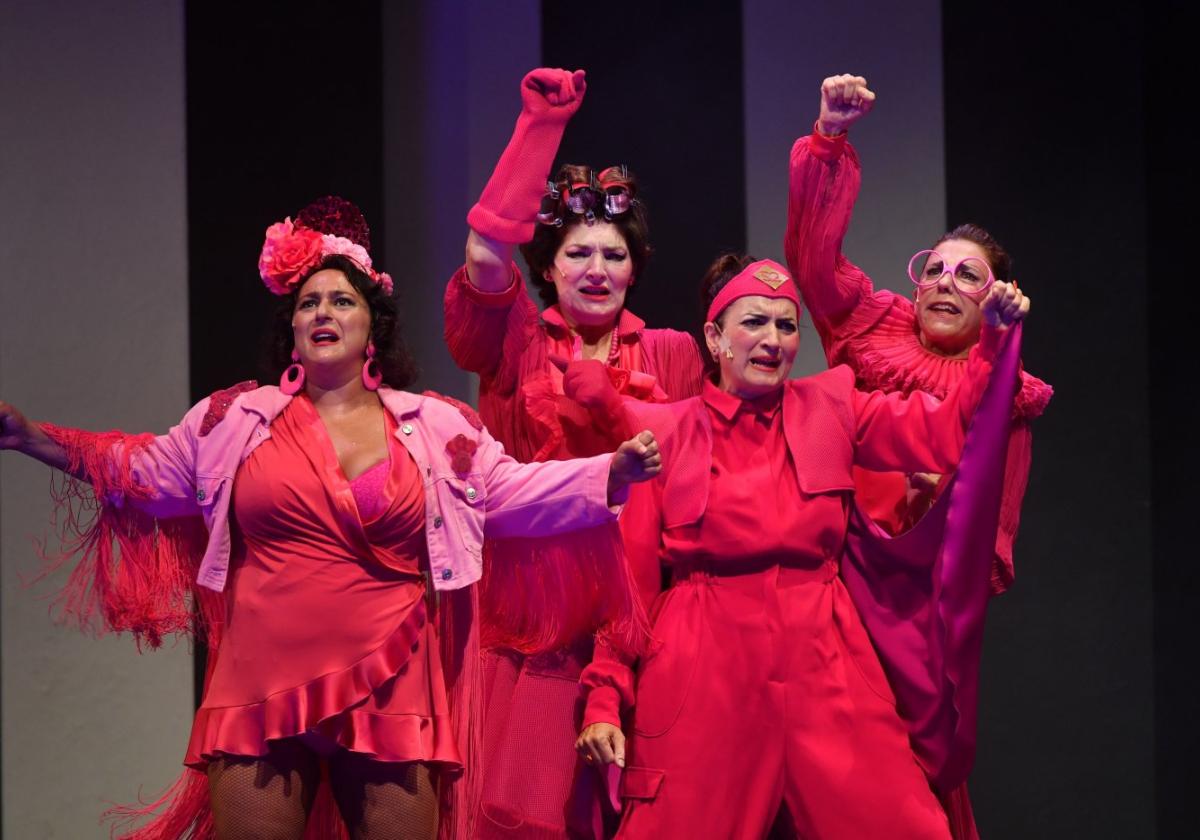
287, 254
327, 227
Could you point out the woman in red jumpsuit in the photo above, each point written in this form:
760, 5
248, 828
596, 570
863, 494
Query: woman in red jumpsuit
586, 243
762, 688
893, 343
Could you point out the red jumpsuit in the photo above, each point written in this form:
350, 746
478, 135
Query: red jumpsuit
763, 687
540, 601
875, 332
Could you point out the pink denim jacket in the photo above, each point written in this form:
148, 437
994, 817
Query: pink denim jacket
190, 471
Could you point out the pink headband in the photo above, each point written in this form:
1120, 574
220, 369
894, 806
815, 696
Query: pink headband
765, 278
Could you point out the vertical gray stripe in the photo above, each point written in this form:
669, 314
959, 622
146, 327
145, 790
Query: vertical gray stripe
451, 71
94, 333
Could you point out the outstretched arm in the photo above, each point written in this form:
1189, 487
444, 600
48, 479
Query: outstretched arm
550, 497
21, 435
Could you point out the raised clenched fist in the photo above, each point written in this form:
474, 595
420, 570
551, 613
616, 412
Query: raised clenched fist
1004, 305
552, 91
845, 100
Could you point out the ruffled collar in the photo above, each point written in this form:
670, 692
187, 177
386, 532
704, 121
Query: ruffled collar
886, 354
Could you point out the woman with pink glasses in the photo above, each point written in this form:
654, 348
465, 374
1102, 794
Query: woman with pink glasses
894, 343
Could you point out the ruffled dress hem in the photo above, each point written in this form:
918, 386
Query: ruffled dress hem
327, 706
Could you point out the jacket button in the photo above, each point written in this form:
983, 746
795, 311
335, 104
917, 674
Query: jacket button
407, 428
437, 522
471, 494
447, 574
200, 494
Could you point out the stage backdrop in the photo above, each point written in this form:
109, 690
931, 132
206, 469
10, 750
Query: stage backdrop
93, 333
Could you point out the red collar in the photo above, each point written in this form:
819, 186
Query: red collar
727, 405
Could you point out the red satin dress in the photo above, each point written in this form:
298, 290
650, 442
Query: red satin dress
327, 633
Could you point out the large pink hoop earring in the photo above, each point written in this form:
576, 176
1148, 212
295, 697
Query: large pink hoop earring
292, 380
372, 377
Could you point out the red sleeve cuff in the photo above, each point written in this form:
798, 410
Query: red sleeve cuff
492, 300
603, 706
827, 148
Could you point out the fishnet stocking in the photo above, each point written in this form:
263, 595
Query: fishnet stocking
264, 797
381, 799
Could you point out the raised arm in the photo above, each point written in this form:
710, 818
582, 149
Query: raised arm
489, 319
919, 432
507, 210
824, 179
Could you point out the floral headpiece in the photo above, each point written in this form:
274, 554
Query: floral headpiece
610, 192
328, 226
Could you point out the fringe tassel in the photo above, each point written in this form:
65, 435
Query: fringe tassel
539, 595
181, 813
132, 572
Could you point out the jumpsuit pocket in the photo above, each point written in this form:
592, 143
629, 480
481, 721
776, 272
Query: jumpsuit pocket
857, 647
666, 675
641, 783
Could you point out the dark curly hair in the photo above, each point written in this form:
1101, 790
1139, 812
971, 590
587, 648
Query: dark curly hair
723, 269
395, 362
547, 239
997, 257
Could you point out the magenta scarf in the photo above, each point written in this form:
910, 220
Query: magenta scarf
923, 594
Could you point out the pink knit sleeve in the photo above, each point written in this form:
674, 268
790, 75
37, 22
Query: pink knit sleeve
824, 178
486, 332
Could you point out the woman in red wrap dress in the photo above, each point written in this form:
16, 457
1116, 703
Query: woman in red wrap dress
586, 243
894, 343
334, 527
761, 688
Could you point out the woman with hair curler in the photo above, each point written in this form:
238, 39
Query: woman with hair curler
586, 241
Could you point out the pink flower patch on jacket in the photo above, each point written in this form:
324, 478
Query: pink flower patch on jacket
461, 450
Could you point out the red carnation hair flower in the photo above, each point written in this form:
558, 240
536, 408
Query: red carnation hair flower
336, 216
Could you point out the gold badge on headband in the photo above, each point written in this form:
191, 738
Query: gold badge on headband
771, 277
